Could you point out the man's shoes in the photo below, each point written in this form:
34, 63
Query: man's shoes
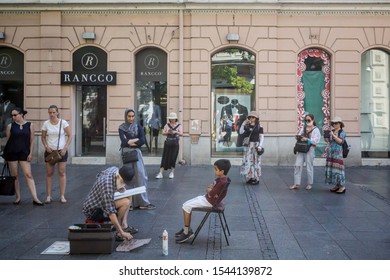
180, 232
132, 230
171, 175
148, 207
185, 237
159, 176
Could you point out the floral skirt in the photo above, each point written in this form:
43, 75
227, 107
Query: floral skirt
334, 172
251, 163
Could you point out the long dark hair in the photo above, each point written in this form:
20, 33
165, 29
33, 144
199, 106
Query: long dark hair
312, 117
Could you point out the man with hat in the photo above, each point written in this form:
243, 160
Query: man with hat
100, 205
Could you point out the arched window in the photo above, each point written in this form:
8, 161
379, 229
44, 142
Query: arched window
313, 90
151, 95
233, 97
375, 104
11, 85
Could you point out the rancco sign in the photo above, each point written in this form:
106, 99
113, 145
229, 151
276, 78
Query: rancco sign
89, 68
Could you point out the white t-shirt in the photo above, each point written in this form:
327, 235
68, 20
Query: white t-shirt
52, 134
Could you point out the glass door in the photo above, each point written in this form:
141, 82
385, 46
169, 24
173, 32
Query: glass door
91, 120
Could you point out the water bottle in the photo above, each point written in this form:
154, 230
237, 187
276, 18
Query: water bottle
165, 243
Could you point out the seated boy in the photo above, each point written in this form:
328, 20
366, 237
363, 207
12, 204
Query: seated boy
215, 193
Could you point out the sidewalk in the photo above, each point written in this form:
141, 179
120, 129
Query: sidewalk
267, 221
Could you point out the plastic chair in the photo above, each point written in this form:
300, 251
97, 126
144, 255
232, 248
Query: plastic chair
218, 208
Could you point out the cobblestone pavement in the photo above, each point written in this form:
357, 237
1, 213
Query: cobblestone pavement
267, 221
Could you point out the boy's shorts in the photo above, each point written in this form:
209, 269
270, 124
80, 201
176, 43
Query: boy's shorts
199, 201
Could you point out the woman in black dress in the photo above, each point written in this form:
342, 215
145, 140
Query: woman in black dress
19, 149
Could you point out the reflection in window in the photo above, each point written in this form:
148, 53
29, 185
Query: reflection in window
151, 95
375, 104
233, 94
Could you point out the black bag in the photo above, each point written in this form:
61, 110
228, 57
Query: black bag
259, 153
7, 182
129, 155
345, 148
172, 140
301, 147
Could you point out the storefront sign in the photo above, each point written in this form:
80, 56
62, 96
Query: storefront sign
89, 68
11, 65
151, 65
107, 78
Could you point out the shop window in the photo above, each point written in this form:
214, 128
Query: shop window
11, 85
233, 96
375, 104
313, 88
151, 96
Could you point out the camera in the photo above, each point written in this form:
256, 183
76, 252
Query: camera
327, 134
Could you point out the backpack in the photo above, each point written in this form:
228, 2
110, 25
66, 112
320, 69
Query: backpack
345, 147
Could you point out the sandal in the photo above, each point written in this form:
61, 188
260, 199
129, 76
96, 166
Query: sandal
119, 237
309, 187
335, 189
132, 230
294, 187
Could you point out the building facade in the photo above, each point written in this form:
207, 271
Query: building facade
208, 61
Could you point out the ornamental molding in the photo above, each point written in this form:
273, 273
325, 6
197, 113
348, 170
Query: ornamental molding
286, 10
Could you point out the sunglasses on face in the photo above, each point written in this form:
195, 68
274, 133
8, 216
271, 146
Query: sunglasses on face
14, 115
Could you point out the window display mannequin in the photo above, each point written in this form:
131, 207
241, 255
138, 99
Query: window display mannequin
6, 107
150, 115
238, 111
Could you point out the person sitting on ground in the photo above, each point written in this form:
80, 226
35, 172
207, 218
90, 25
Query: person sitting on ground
215, 192
101, 206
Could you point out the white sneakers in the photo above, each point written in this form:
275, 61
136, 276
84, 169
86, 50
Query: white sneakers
160, 176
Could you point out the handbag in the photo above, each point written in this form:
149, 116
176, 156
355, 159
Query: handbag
174, 139
301, 147
129, 155
7, 182
55, 156
259, 153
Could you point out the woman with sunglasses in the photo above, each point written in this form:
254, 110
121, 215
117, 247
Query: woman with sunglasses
311, 134
19, 149
251, 163
334, 168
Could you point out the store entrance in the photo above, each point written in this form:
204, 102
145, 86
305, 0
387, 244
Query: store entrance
91, 121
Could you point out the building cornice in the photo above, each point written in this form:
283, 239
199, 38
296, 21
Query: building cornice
197, 8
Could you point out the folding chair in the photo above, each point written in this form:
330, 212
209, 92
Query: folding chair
218, 208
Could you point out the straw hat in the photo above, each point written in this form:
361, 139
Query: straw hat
172, 116
253, 114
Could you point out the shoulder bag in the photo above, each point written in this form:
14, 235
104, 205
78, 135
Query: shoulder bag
7, 182
55, 156
129, 155
172, 140
302, 146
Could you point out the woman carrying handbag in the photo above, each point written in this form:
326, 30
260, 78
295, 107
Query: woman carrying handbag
56, 135
251, 163
310, 134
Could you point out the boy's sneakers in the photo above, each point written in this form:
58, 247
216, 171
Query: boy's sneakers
159, 176
184, 237
171, 175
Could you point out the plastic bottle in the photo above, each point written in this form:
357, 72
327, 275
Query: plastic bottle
165, 243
